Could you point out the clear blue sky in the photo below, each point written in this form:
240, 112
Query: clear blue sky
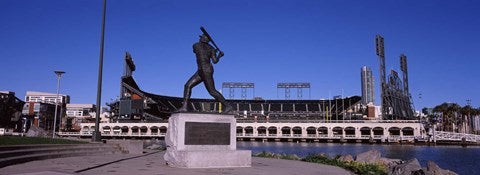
265, 42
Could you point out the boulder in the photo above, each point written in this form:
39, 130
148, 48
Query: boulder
346, 158
389, 162
322, 155
372, 156
411, 166
292, 157
434, 169
36, 131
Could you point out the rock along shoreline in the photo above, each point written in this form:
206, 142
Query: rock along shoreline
370, 162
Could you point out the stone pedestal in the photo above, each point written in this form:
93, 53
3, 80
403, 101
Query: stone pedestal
199, 140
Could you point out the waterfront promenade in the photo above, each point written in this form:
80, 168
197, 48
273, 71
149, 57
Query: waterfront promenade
153, 163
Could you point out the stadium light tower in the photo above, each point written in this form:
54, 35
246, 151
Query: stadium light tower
96, 136
298, 86
59, 74
242, 85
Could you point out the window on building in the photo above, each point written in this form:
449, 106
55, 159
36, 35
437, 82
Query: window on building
36, 107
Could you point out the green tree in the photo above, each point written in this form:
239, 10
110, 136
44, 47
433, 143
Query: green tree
450, 115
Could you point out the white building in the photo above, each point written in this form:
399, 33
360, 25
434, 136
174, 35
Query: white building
79, 113
83, 113
44, 97
368, 89
80, 110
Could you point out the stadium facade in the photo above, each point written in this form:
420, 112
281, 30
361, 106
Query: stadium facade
135, 105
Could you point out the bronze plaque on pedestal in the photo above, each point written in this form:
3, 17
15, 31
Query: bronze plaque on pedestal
204, 133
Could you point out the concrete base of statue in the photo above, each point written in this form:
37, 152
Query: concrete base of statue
202, 140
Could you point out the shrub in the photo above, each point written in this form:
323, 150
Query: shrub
355, 167
277, 156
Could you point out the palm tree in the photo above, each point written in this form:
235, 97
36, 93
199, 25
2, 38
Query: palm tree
475, 113
466, 112
449, 113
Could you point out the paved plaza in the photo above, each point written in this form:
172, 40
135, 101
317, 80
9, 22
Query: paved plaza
153, 164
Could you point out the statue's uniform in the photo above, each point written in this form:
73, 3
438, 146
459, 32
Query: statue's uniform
203, 52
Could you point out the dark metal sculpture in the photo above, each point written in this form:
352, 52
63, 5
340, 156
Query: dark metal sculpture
204, 52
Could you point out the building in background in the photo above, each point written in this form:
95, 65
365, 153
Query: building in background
40, 109
10, 110
44, 97
79, 113
368, 95
39, 114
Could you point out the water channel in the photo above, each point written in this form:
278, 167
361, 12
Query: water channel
462, 160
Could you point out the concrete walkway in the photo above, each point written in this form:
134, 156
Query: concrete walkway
153, 163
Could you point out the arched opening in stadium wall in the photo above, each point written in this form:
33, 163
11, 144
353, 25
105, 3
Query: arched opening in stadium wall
272, 131
311, 131
407, 131
154, 130
239, 131
297, 131
349, 131
248, 131
365, 131
323, 131
377, 131
394, 131
337, 131
286, 131
262, 131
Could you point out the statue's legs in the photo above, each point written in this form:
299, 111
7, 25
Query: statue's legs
207, 78
187, 91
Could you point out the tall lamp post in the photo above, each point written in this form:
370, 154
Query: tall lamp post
96, 136
59, 74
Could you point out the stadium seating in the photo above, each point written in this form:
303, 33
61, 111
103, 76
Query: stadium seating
162, 106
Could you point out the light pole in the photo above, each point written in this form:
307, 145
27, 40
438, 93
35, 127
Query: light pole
96, 136
59, 75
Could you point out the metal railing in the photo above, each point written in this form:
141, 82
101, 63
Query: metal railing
89, 133
451, 136
325, 121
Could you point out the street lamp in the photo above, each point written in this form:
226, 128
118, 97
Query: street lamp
59, 75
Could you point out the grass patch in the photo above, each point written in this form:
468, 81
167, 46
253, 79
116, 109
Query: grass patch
355, 167
13, 140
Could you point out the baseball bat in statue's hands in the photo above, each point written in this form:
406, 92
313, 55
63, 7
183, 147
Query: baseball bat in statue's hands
220, 54
209, 37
